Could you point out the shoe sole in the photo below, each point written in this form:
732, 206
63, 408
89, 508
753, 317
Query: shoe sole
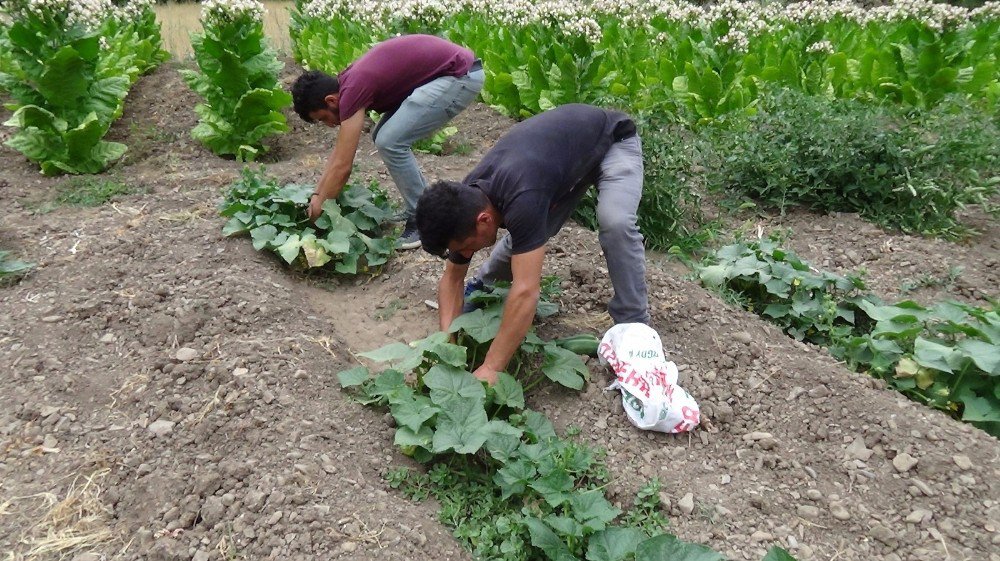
408, 245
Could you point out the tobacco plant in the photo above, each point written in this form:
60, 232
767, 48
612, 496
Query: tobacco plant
238, 80
348, 234
64, 100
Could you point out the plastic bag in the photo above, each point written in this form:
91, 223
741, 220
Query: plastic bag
648, 381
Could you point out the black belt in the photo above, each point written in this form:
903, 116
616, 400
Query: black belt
477, 65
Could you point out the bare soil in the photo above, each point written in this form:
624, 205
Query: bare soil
169, 394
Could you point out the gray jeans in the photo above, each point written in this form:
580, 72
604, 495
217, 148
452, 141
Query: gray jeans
619, 190
425, 111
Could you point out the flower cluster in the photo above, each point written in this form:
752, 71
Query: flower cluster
739, 20
221, 12
735, 40
824, 47
988, 11
90, 14
130, 10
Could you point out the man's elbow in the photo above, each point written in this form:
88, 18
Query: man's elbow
528, 293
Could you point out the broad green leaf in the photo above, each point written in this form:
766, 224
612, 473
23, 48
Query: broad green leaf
449, 385
463, 427
353, 376
406, 437
508, 392
545, 539
986, 356
538, 426
978, 408
614, 544
478, 324
933, 355
554, 487
564, 367
261, 235
413, 412
565, 525
592, 509
713, 275
391, 353
666, 546
290, 249
513, 478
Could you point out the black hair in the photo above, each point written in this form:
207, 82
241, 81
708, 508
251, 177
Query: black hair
447, 212
310, 90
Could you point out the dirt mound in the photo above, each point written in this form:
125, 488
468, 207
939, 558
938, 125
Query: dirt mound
170, 394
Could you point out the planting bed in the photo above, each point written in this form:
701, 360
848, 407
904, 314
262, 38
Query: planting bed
169, 393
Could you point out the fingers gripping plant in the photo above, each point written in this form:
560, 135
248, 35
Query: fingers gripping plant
65, 101
238, 80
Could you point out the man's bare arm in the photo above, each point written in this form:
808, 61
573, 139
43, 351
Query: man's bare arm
451, 292
339, 164
518, 313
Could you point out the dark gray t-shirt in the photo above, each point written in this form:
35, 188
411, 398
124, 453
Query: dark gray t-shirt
541, 162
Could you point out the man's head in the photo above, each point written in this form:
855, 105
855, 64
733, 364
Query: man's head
453, 217
316, 96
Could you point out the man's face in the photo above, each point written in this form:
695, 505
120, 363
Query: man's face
330, 115
484, 236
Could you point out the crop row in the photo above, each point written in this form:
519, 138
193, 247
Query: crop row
700, 62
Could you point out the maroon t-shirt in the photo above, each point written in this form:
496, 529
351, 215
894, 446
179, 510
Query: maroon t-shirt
388, 73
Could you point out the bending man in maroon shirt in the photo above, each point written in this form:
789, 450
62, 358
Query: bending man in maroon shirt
417, 82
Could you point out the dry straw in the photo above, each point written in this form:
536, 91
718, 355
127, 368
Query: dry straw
77, 523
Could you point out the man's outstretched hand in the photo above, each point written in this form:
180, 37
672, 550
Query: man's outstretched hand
315, 206
486, 374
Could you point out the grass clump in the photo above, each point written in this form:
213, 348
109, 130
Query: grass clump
90, 191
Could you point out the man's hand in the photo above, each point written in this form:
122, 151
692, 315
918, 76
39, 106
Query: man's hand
486, 374
338, 165
316, 206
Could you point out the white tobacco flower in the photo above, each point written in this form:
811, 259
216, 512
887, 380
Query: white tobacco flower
89, 14
219, 12
825, 47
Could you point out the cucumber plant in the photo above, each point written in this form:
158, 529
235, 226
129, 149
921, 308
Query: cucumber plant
348, 234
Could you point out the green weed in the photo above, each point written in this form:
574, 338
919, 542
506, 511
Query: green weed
927, 280
90, 191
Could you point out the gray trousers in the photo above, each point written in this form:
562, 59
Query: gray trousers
619, 190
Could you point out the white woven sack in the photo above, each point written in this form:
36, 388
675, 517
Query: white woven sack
648, 381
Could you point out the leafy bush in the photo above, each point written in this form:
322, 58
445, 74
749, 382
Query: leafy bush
238, 80
510, 487
348, 233
911, 174
946, 356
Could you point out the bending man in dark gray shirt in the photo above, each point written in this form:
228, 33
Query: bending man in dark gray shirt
529, 183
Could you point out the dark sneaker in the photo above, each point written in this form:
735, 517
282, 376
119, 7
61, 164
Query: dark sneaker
473, 285
410, 238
